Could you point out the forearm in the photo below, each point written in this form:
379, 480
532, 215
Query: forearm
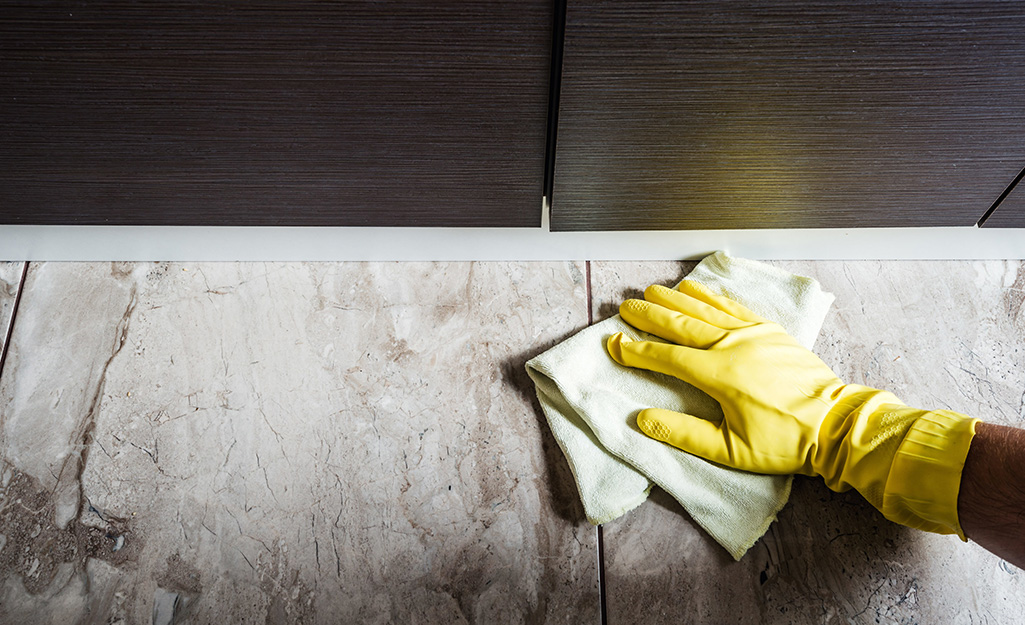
991, 501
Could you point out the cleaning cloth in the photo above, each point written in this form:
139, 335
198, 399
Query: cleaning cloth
591, 404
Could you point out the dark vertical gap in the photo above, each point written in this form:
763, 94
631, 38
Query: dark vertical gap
992, 209
601, 576
590, 304
601, 533
554, 87
14, 315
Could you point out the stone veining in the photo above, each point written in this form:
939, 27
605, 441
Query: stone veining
302, 442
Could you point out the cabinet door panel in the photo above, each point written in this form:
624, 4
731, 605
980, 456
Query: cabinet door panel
273, 113
787, 114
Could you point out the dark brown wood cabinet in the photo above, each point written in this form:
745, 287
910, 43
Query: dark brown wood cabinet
299, 112
757, 114
673, 114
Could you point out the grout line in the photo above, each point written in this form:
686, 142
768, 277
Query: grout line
14, 314
590, 303
602, 610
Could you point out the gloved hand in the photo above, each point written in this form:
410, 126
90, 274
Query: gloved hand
786, 412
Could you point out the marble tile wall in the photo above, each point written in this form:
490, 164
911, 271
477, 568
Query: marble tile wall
940, 335
324, 443
304, 443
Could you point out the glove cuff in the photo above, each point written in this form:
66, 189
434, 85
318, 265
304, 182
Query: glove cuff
925, 476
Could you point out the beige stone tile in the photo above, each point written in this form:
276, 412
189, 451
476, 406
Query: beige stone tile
940, 335
292, 443
613, 282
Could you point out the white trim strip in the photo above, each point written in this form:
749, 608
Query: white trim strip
95, 243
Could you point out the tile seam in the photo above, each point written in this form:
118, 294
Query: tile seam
590, 303
14, 315
599, 533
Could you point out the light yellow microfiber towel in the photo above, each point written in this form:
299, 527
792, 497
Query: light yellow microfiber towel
591, 404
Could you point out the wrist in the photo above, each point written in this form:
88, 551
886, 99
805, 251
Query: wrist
861, 435
991, 498
905, 461
925, 477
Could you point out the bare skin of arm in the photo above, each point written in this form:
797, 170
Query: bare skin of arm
991, 500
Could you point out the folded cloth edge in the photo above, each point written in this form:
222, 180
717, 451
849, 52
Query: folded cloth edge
545, 384
561, 411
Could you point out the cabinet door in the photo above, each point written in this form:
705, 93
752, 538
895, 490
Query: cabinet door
750, 114
1010, 213
257, 112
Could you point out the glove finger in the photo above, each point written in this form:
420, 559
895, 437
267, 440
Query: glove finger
675, 360
689, 433
669, 324
688, 305
731, 307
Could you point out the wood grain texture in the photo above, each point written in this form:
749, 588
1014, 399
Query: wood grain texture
1011, 211
273, 113
759, 114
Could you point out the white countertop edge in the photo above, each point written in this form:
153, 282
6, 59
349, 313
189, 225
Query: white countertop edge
188, 243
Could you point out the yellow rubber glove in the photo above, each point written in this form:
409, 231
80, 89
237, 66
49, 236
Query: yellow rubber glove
787, 412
